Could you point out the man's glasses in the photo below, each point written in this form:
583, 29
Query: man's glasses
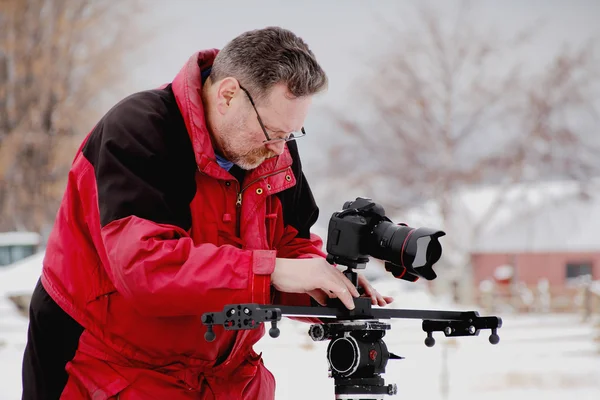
289, 137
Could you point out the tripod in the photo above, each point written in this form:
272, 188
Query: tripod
357, 354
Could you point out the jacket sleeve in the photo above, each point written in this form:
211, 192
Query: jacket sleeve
143, 196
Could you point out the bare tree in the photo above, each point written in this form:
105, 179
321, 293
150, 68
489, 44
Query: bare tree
56, 58
449, 107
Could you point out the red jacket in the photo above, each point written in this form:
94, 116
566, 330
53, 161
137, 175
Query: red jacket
152, 233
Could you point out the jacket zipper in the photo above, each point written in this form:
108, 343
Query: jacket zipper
238, 211
238, 202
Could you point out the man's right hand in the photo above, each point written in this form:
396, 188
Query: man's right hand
314, 276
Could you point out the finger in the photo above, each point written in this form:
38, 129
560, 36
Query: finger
381, 300
373, 293
351, 288
340, 291
370, 291
364, 284
346, 298
375, 296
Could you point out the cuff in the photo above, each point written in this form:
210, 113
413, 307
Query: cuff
263, 264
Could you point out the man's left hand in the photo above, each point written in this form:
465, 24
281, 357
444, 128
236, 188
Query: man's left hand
370, 291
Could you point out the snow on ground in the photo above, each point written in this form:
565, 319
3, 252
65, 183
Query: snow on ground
20, 278
539, 357
13, 335
19, 238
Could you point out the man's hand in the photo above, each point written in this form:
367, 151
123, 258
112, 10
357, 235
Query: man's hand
370, 291
313, 276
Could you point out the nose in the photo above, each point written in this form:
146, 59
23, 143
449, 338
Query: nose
276, 146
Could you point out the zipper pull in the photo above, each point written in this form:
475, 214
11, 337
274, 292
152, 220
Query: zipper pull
238, 202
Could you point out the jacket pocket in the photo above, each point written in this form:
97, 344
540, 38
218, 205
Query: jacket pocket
92, 378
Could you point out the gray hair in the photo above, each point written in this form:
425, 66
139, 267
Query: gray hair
262, 58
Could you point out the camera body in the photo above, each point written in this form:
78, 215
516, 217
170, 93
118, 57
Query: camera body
362, 229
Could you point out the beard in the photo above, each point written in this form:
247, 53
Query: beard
234, 146
250, 159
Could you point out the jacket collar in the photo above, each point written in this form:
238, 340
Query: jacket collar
187, 87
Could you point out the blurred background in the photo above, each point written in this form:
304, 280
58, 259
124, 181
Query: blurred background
479, 118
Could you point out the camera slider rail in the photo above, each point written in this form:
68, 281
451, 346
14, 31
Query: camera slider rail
452, 323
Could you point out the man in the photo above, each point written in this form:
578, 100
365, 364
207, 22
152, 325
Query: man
181, 200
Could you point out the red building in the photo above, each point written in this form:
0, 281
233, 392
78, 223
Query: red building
557, 244
558, 268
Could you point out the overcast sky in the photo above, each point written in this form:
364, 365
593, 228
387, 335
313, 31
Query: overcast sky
344, 35
340, 32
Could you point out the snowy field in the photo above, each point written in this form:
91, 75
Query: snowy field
545, 357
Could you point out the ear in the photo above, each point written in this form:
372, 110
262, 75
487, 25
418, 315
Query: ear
227, 89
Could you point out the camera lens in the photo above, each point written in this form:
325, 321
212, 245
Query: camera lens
415, 249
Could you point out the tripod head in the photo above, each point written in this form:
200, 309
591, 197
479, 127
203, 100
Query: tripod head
357, 354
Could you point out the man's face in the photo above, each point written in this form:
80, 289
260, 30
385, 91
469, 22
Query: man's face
240, 136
